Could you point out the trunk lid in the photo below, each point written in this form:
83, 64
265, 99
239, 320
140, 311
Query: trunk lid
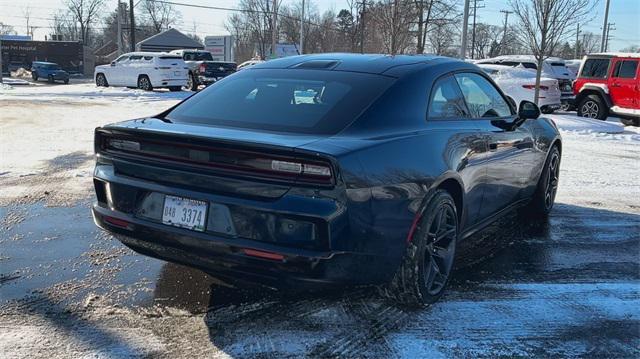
218, 160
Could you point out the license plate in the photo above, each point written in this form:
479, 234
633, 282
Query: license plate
184, 213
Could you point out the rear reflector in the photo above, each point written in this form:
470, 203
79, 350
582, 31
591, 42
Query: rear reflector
116, 222
261, 254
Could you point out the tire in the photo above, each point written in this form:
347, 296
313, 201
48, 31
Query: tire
144, 83
34, 76
50, 79
592, 106
545, 194
66, 82
101, 80
630, 121
192, 83
547, 111
175, 88
426, 267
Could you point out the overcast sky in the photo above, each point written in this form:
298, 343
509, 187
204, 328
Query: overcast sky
624, 13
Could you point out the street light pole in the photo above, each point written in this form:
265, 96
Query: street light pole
465, 25
301, 51
132, 29
604, 28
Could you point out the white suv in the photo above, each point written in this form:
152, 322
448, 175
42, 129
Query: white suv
552, 67
144, 70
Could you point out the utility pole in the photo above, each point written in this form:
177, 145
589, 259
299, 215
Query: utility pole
132, 27
609, 28
362, 17
301, 51
577, 42
473, 28
504, 31
465, 26
604, 28
274, 30
119, 19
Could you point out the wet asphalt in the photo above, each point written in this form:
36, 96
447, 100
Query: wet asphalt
563, 286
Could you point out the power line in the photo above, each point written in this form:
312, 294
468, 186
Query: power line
473, 29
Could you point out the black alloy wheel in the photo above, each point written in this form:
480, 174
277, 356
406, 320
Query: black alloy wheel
545, 195
101, 81
592, 107
428, 262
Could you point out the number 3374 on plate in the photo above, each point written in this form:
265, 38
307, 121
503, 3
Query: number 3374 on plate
184, 213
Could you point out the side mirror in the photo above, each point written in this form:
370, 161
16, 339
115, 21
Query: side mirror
528, 110
113, 63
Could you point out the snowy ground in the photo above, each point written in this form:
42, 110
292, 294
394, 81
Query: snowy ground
569, 286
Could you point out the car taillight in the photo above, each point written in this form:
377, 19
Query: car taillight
202, 68
304, 169
532, 87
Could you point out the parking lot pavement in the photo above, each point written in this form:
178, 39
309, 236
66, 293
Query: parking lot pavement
566, 286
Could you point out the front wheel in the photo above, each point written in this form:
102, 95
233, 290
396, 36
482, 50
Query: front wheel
545, 195
592, 106
50, 79
426, 267
144, 83
192, 83
34, 76
101, 81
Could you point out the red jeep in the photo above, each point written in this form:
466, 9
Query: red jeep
609, 84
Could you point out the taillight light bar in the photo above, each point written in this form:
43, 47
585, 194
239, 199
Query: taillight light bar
532, 87
248, 162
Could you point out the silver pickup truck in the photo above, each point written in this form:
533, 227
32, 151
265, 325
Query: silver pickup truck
203, 69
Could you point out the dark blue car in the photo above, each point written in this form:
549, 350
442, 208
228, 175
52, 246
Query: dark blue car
327, 169
48, 70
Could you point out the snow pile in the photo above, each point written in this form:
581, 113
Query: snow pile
14, 82
21, 72
5, 87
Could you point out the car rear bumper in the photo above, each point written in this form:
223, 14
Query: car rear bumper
236, 258
169, 82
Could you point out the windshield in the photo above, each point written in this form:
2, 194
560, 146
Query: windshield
294, 101
198, 56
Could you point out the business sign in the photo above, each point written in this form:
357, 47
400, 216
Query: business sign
220, 47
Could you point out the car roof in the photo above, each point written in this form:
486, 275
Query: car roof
367, 63
146, 53
614, 54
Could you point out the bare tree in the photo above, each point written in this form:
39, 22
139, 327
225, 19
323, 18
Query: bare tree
85, 13
545, 24
393, 19
632, 48
161, 15
443, 37
7, 29
428, 11
487, 39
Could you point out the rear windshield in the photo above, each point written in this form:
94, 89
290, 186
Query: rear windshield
595, 68
292, 101
197, 56
170, 57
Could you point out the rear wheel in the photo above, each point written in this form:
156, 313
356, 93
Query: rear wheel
592, 106
175, 88
66, 82
545, 195
50, 79
192, 83
101, 81
144, 83
426, 267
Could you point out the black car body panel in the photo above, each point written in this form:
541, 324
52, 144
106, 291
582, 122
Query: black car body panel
385, 165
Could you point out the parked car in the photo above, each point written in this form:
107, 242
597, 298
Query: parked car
48, 70
203, 69
374, 179
144, 70
249, 63
609, 83
573, 66
521, 85
553, 67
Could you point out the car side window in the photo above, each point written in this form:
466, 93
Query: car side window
595, 68
625, 69
482, 98
122, 58
446, 100
135, 58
